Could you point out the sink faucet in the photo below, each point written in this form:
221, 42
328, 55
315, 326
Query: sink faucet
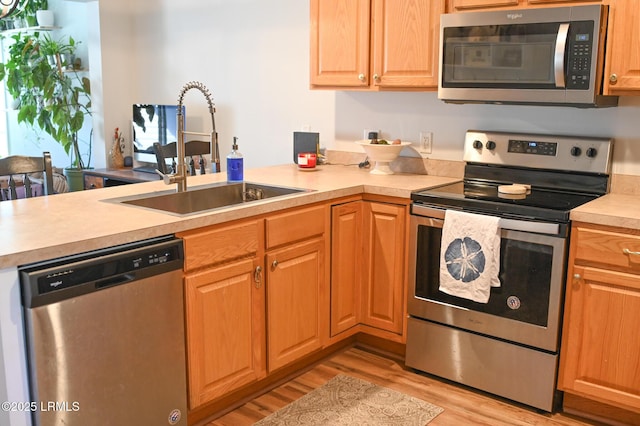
180, 176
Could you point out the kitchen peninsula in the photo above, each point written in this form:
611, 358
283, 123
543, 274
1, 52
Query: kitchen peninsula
50, 227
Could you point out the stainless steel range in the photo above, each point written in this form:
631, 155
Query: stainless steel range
509, 345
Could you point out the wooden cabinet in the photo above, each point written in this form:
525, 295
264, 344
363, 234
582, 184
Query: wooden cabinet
244, 320
600, 355
622, 66
462, 5
384, 234
346, 266
297, 284
225, 309
375, 44
369, 241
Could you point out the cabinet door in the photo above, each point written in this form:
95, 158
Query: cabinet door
297, 319
622, 68
340, 43
225, 330
384, 268
346, 266
406, 36
600, 357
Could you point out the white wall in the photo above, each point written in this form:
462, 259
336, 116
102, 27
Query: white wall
254, 57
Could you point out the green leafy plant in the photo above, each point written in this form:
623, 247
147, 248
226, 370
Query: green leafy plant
30, 8
50, 98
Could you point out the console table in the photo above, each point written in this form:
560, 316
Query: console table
100, 178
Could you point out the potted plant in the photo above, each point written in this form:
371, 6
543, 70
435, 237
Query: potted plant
30, 10
51, 99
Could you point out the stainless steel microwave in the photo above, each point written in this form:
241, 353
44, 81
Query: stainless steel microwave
544, 56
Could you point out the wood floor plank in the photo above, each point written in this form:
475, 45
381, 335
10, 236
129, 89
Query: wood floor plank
462, 405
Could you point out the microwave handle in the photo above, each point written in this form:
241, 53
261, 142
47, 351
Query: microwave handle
558, 58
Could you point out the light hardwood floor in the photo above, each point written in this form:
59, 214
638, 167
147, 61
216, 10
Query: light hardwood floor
462, 406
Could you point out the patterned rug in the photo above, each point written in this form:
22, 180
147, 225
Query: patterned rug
345, 400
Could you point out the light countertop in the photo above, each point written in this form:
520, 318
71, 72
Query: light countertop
48, 227
618, 210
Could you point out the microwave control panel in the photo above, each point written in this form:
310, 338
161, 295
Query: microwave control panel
580, 52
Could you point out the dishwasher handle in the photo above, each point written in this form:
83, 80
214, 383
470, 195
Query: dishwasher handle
119, 279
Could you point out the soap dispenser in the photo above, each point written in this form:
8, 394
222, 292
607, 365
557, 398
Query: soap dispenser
234, 164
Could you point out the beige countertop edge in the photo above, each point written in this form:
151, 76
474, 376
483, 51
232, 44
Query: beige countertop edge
49, 227
619, 210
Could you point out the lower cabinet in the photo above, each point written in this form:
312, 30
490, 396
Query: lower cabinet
256, 298
297, 284
346, 266
600, 355
225, 329
368, 266
224, 308
296, 323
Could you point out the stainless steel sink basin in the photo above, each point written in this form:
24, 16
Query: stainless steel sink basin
207, 197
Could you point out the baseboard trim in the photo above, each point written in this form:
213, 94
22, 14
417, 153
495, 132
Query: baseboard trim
593, 410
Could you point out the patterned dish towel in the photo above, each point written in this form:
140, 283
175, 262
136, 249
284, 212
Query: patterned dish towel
470, 255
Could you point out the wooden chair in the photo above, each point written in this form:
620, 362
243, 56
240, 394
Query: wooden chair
20, 165
191, 149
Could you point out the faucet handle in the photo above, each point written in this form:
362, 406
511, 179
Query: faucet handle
166, 178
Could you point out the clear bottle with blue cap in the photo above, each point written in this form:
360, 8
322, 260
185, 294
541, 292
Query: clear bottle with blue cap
235, 166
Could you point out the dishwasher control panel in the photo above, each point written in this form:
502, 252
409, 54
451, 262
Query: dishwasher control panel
44, 282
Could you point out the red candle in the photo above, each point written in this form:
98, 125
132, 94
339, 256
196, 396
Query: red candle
306, 160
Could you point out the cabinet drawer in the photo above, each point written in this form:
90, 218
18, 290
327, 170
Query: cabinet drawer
218, 244
295, 226
608, 248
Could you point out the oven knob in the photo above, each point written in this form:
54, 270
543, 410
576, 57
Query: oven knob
491, 145
576, 151
477, 144
592, 152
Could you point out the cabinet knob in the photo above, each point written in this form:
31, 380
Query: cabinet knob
376, 77
613, 79
361, 77
274, 264
577, 276
257, 276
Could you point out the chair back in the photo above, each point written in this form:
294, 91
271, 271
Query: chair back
21, 167
164, 152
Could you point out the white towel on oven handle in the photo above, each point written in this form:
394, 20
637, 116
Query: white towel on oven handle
470, 255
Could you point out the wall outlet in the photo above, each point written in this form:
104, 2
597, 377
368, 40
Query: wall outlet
365, 133
426, 139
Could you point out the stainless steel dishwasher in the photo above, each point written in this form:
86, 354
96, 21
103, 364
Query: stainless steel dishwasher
105, 336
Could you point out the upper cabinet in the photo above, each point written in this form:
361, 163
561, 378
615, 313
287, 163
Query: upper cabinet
622, 66
375, 44
462, 5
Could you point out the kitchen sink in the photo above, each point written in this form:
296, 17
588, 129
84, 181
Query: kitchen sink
206, 197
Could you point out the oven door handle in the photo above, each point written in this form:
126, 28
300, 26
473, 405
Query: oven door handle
431, 216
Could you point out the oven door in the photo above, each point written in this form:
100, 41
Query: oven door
526, 307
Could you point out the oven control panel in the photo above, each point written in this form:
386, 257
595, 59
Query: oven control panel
570, 153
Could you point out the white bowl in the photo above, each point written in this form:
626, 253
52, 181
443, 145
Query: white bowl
382, 155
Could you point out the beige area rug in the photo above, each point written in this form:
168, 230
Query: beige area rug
346, 400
